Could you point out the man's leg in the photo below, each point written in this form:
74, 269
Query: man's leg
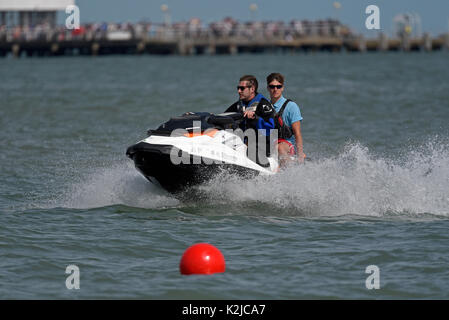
285, 152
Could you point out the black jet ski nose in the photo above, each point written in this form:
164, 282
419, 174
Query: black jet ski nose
130, 151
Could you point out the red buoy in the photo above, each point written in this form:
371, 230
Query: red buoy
202, 258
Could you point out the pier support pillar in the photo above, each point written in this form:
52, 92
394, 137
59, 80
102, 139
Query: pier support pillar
211, 49
405, 43
361, 44
426, 42
141, 47
15, 49
54, 48
232, 49
383, 42
181, 48
446, 41
95, 48
185, 48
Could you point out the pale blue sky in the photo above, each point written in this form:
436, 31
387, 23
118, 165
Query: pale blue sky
434, 13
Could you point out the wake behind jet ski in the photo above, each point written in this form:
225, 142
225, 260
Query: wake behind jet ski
195, 147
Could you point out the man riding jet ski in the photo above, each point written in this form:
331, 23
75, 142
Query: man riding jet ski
193, 148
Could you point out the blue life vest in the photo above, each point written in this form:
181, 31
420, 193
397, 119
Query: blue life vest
261, 123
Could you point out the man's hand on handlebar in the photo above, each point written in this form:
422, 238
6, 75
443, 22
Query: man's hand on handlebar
249, 114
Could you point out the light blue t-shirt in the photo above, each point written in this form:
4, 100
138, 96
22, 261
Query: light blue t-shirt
290, 115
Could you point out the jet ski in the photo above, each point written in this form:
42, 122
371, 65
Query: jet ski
195, 147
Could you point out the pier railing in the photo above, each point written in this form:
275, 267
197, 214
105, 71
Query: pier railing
187, 39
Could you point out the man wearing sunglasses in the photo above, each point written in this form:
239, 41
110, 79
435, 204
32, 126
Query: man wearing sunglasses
291, 116
254, 106
249, 98
257, 110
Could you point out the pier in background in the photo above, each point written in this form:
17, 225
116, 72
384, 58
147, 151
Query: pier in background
191, 38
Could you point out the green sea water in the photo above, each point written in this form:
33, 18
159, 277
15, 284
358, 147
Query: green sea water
374, 193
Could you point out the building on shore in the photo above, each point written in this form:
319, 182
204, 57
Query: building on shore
26, 13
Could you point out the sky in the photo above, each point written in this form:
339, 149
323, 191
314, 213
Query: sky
434, 13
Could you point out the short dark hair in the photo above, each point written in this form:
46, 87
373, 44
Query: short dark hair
251, 79
275, 76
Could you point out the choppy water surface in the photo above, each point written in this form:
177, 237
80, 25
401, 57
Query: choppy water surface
374, 193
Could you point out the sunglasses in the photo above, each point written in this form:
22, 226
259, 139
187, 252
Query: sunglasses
242, 87
272, 86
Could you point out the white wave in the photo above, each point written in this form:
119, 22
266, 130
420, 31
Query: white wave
118, 184
354, 182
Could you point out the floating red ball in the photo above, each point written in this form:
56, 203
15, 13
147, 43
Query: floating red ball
202, 258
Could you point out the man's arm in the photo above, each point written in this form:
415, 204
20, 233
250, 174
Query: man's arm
296, 127
263, 116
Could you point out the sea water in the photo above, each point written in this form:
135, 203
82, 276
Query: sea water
374, 193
